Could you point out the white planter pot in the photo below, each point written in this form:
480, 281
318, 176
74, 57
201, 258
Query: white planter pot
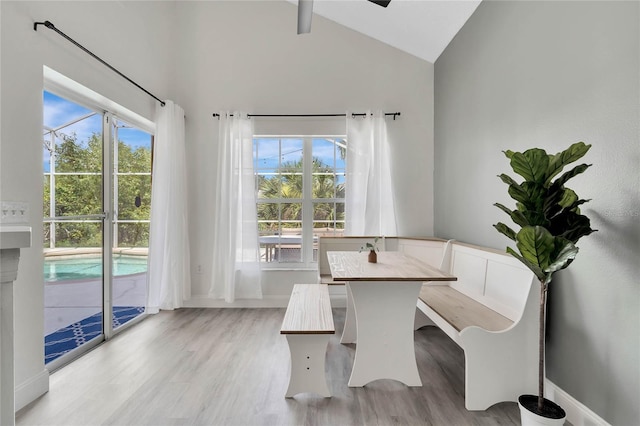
529, 418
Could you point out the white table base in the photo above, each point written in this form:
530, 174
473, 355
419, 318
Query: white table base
384, 313
349, 331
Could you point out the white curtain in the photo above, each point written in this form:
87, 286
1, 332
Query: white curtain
369, 204
236, 250
169, 279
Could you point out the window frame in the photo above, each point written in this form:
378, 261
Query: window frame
308, 246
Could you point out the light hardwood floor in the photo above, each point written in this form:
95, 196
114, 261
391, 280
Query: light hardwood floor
231, 367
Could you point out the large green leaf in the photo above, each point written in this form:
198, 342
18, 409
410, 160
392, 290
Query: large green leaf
507, 179
531, 164
529, 194
570, 225
575, 206
508, 153
555, 199
564, 253
534, 217
571, 173
568, 197
516, 216
533, 267
505, 230
535, 195
536, 244
504, 208
561, 159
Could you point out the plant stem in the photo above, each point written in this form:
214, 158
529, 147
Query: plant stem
543, 304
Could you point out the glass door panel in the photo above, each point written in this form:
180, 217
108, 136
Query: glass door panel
132, 195
73, 228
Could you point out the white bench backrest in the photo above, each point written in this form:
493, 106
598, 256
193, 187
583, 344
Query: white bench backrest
497, 280
429, 251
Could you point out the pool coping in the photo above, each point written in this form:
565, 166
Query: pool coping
91, 251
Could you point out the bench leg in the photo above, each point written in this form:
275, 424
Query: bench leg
308, 353
349, 332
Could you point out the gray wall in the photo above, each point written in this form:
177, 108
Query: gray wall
547, 74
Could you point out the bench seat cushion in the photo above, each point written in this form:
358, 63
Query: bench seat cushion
462, 311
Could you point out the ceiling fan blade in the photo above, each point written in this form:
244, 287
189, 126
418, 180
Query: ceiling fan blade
383, 3
305, 12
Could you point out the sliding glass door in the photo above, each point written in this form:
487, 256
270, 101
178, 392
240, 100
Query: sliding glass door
95, 217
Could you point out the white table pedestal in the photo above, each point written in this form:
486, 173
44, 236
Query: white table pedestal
384, 315
349, 331
12, 238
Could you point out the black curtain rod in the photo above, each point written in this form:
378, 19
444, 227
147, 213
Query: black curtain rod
49, 25
361, 114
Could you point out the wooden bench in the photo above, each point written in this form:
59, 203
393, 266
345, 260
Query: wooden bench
308, 324
491, 313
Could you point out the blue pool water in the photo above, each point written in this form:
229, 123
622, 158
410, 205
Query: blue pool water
82, 268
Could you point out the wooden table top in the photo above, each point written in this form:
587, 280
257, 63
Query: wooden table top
391, 266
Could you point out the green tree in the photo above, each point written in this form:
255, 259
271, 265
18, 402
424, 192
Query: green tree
288, 184
80, 192
134, 195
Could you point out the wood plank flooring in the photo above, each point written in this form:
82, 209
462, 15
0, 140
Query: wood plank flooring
231, 367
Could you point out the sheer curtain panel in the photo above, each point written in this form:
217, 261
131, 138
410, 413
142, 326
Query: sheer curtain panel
369, 201
236, 251
169, 279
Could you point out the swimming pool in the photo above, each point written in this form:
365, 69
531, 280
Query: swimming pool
82, 268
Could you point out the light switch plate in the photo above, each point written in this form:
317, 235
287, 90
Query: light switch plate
14, 212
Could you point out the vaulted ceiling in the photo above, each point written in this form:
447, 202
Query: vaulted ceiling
422, 28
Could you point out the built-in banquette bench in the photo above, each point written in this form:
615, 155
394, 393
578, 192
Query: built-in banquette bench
308, 323
490, 312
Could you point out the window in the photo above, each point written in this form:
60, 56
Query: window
300, 184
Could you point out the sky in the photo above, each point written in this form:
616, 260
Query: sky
58, 111
271, 154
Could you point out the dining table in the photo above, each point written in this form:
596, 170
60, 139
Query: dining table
381, 305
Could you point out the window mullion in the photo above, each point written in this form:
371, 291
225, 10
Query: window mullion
307, 203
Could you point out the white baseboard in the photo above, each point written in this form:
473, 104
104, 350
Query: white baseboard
204, 301
577, 413
31, 389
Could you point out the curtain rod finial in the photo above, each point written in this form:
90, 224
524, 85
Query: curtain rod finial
47, 24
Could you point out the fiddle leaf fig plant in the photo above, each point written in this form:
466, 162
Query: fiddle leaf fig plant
548, 214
